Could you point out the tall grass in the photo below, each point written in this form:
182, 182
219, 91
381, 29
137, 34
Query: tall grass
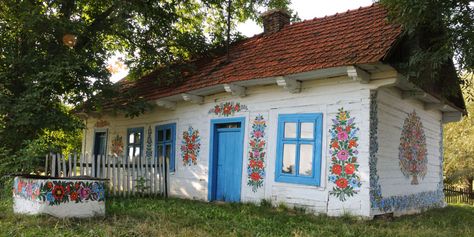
176, 217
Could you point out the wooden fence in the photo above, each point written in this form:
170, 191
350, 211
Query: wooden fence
457, 195
126, 175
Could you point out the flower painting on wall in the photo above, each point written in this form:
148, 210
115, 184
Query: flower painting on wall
117, 145
412, 150
57, 192
190, 146
256, 154
227, 109
343, 152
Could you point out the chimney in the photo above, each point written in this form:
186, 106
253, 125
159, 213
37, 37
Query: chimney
275, 20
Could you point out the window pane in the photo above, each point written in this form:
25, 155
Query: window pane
130, 138
160, 135
137, 151
138, 138
307, 130
160, 151
306, 159
168, 134
130, 151
290, 130
289, 153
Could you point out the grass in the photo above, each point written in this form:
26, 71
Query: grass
176, 217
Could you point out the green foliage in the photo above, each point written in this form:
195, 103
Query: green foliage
439, 30
459, 151
55, 52
175, 217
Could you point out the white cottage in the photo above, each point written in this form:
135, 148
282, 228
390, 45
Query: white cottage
313, 114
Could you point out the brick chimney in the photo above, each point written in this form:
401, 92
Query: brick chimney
275, 20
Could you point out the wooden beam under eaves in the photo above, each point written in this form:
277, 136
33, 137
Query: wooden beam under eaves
291, 85
195, 99
435, 106
358, 74
413, 94
235, 90
171, 105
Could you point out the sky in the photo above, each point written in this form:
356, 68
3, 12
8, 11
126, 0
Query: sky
306, 9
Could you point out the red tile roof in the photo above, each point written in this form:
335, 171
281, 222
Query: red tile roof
354, 37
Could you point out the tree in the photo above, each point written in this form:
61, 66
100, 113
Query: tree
55, 52
458, 150
439, 30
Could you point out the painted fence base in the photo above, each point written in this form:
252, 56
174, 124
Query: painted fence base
60, 197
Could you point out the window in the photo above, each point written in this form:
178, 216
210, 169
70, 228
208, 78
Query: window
134, 142
299, 148
165, 143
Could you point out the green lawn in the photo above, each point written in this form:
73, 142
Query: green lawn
175, 217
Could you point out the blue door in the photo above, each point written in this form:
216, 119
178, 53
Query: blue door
226, 160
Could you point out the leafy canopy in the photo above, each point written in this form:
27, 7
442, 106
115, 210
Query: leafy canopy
54, 52
441, 29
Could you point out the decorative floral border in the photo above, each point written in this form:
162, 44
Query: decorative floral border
257, 154
429, 199
412, 150
343, 150
57, 192
190, 146
117, 145
149, 144
227, 109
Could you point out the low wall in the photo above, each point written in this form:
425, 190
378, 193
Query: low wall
60, 197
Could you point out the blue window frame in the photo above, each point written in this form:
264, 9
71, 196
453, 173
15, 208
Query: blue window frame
299, 148
134, 142
165, 142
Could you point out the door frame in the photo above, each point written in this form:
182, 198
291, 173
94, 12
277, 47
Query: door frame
212, 179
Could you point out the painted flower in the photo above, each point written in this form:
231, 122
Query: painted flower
349, 168
73, 196
342, 155
354, 183
217, 109
255, 176
342, 115
336, 169
84, 193
49, 185
341, 183
58, 192
332, 178
342, 136
237, 107
49, 197
260, 164
352, 143
258, 134
335, 144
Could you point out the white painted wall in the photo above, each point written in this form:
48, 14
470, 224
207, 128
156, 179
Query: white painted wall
317, 96
392, 111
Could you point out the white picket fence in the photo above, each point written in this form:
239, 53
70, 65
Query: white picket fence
126, 175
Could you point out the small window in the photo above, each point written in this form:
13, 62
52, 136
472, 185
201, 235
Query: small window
165, 144
299, 149
134, 142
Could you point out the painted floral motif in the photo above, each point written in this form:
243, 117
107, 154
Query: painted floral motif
190, 146
412, 150
57, 192
149, 144
117, 145
227, 109
428, 199
343, 151
257, 154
